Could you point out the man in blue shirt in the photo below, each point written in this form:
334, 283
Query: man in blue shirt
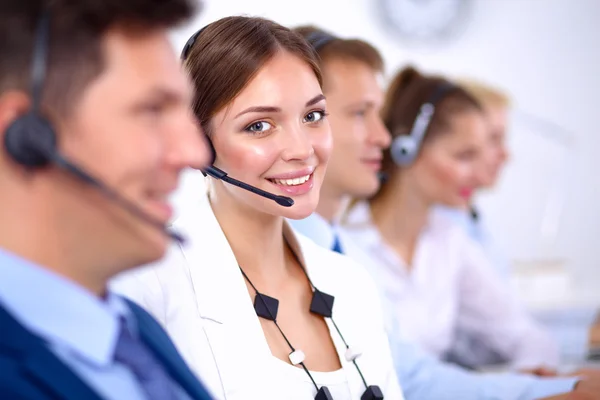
95, 128
354, 100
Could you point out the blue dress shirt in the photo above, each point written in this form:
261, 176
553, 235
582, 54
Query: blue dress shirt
80, 328
423, 377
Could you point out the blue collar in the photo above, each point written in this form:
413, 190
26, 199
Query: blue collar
60, 311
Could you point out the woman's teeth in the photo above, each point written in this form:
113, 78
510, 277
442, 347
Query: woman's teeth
291, 182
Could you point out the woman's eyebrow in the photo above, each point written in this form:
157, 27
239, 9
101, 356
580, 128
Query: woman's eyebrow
259, 109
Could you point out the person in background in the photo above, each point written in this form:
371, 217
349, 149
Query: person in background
470, 351
351, 74
272, 316
575, 339
82, 83
352, 70
434, 279
495, 106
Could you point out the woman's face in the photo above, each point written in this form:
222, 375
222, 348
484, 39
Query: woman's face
274, 135
497, 151
449, 167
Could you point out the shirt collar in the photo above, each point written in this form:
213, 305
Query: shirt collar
317, 228
358, 219
60, 311
359, 224
463, 219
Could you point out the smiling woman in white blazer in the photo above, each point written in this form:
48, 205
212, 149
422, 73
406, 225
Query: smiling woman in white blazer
258, 98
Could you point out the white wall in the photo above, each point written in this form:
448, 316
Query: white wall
546, 54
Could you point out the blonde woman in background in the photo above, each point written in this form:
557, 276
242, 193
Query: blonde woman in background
495, 105
578, 330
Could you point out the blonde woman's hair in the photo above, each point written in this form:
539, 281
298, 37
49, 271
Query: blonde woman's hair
486, 95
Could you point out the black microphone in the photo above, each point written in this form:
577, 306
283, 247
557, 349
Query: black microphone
222, 175
383, 177
61, 162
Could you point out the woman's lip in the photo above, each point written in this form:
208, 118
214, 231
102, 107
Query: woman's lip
466, 193
373, 163
293, 174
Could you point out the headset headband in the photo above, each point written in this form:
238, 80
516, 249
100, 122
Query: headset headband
318, 39
190, 43
426, 111
40, 59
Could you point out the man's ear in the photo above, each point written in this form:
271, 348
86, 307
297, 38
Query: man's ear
13, 104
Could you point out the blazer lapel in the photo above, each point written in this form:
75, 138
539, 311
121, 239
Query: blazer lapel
230, 323
40, 364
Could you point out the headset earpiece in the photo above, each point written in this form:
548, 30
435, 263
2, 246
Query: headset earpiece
404, 150
213, 153
30, 141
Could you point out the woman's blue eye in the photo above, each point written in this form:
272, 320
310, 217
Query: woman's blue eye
259, 126
314, 116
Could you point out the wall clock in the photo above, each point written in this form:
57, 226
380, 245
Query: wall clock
425, 20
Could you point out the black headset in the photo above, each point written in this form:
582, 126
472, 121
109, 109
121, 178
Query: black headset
31, 140
185, 52
405, 148
319, 39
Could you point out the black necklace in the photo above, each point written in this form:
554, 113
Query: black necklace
321, 304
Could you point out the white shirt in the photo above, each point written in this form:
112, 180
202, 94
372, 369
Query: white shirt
424, 377
199, 295
450, 288
479, 232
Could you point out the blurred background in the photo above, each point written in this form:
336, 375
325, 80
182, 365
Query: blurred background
545, 54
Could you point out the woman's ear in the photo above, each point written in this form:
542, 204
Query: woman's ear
13, 104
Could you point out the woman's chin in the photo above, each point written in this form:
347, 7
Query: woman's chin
300, 210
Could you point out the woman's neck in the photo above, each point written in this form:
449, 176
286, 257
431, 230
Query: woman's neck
256, 238
400, 215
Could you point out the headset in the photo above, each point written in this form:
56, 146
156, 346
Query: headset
405, 148
218, 173
31, 140
319, 39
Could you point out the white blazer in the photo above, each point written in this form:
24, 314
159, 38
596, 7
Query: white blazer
199, 295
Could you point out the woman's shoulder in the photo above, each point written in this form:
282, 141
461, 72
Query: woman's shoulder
152, 271
148, 285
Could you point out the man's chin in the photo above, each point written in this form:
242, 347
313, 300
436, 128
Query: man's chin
365, 190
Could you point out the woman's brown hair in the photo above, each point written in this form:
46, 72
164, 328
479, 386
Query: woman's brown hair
228, 53
407, 92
